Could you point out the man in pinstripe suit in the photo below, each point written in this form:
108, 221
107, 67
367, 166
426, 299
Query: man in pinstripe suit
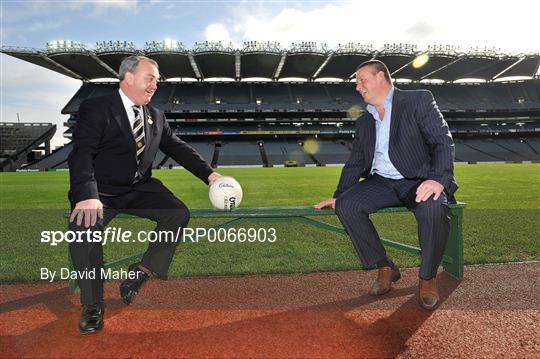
404, 150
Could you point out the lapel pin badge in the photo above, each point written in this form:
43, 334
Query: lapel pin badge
149, 120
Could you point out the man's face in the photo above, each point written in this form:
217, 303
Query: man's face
370, 84
142, 83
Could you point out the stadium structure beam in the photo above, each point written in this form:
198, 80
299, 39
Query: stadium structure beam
440, 68
323, 65
195, 67
60, 66
508, 68
534, 75
104, 65
46, 58
280, 65
401, 68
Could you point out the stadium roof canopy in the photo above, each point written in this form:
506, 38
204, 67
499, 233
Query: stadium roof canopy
307, 60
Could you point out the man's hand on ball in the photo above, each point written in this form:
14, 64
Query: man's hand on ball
212, 178
88, 210
428, 188
329, 203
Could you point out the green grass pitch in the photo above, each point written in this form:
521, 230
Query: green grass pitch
502, 222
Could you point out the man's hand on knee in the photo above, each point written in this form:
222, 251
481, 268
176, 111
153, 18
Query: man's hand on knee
329, 203
88, 210
428, 188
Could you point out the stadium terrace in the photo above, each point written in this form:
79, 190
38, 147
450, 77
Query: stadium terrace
306, 60
261, 104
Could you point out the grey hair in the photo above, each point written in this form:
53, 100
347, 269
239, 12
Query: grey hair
130, 63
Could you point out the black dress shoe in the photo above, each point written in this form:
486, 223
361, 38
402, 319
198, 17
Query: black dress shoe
130, 287
91, 318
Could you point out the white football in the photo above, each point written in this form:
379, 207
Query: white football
225, 193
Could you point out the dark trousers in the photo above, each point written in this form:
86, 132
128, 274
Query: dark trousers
165, 209
354, 206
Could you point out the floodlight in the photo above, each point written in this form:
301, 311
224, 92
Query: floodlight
168, 44
420, 60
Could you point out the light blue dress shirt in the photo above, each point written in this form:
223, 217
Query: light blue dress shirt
381, 161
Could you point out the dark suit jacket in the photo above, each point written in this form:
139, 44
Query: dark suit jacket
103, 158
420, 145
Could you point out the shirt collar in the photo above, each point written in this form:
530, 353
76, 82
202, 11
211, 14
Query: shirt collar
390, 96
128, 104
387, 101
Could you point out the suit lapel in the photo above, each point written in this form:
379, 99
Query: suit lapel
150, 124
121, 118
370, 136
149, 133
397, 109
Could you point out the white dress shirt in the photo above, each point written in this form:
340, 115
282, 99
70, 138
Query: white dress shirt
128, 105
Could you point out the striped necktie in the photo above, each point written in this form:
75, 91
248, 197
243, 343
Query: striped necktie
138, 132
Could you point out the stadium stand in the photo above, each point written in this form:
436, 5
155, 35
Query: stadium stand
200, 98
205, 149
280, 151
519, 148
534, 144
240, 153
55, 160
331, 152
273, 93
237, 119
18, 141
499, 150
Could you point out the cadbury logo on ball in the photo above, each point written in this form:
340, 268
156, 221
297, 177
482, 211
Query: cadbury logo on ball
225, 194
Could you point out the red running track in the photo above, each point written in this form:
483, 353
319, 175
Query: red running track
492, 312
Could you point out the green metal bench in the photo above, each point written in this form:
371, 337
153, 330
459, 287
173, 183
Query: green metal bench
452, 260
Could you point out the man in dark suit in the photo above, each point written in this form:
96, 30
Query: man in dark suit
404, 150
114, 144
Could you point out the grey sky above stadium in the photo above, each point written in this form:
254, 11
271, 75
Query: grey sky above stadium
38, 94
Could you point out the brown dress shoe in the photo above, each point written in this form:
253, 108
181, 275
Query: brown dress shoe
385, 277
428, 295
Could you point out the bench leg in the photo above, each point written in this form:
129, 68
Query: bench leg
453, 263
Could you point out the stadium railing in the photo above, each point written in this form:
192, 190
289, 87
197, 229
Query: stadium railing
452, 262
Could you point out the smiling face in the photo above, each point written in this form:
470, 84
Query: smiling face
371, 85
140, 85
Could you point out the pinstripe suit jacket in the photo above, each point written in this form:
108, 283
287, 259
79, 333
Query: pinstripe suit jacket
420, 146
